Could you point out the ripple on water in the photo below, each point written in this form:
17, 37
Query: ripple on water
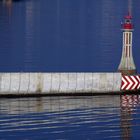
69, 118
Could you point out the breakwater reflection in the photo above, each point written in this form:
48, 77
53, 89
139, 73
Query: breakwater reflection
51, 118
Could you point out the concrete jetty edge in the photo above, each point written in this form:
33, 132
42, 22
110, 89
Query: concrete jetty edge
60, 84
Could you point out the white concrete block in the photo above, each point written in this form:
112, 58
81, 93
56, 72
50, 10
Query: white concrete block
117, 80
64, 82
96, 82
0, 80
5, 83
24, 82
103, 82
47, 81
59, 82
88, 82
39, 82
15, 82
55, 87
72, 82
109, 80
80, 82
33, 83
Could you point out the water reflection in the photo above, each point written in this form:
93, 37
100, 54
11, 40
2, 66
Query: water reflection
8, 4
69, 117
29, 35
32, 47
76, 34
107, 35
128, 102
55, 104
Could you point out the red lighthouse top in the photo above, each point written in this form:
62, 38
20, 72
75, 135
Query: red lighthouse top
128, 23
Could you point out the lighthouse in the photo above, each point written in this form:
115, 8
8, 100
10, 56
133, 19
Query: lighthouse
127, 65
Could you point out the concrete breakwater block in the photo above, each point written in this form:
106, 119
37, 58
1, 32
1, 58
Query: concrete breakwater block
16, 83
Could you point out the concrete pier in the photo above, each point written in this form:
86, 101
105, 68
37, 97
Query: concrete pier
49, 83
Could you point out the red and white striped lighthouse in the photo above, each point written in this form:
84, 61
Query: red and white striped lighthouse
127, 65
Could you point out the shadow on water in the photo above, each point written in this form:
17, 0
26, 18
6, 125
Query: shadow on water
70, 117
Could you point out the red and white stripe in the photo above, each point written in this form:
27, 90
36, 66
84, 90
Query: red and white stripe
130, 82
130, 101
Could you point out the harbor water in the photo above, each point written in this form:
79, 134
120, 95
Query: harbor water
64, 35
70, 118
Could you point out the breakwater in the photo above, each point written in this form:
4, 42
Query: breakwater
47, 83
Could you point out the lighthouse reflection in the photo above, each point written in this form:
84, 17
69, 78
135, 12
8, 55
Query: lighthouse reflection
128, 103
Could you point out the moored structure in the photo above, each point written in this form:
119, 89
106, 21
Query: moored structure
127, 65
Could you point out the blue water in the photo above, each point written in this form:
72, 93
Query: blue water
64, 35
70, 36
70, 118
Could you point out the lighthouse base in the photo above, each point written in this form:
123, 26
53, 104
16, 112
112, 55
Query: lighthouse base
128, 72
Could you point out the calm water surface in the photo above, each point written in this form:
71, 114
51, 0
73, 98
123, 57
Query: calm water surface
70, 118
64, 35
